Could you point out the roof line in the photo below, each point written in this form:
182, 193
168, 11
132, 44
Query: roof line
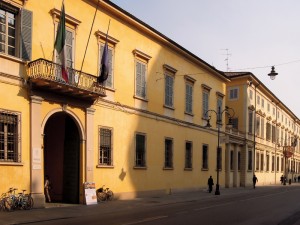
165, 37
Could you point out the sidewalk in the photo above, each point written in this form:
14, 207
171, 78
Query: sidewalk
55, 211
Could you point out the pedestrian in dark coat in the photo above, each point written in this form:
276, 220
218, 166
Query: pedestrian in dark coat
210, 183
254, 179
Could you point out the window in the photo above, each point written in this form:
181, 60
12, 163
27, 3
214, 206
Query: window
140, 78
231, 160
111, 43
262, 162
277, 163
262, 133
273, 133
251, 94
105, 151
188, 98
15, 31
281, 164
205, 157
8, 32
268, 131
262, 103
141, 64
70, 34
250, 128
188, 155
235, 123
258, 100
233, 93
109, 80
257, 161
219, 158
239, 160
273, 162
268, 163
169, 87
250, 160
257, 132
268, 107
169, 73
205, 99
168, 153
9, 137
140, 150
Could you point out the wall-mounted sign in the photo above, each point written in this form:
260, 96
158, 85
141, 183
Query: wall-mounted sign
36, 159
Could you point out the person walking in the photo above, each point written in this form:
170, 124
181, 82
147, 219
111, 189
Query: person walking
47, 188
281, 179
210, 183
254, 179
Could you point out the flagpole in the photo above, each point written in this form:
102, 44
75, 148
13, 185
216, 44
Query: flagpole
88, 42
107, 29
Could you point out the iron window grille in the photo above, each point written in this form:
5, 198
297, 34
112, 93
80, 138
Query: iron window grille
9, 137
105, 153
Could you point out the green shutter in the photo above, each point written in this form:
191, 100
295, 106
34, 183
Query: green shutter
26, 34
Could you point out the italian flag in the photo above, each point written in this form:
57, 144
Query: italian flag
60, 43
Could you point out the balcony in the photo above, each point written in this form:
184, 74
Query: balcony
46, 75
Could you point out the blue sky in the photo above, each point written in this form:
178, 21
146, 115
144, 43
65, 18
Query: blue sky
257, 34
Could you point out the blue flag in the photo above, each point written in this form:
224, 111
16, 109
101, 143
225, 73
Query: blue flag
104, 70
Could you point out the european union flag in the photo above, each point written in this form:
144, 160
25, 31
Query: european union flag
104, 70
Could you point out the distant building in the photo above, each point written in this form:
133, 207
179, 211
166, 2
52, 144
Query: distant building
258, 111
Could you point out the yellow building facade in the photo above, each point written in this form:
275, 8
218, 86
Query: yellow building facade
142, 131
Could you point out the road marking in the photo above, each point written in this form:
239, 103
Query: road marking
145, 220
242, 200
212, 206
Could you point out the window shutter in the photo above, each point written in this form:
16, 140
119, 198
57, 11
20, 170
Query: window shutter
138, 79
143, 80
69, 48
26, 35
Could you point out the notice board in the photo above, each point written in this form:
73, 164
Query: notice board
90, 193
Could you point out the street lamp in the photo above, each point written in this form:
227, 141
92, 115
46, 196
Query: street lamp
219, 114
272, 74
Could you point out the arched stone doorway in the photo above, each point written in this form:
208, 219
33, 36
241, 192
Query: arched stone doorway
62, 157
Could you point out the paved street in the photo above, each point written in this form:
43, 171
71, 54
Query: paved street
264, 205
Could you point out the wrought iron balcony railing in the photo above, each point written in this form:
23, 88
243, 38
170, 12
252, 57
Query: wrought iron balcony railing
47, 75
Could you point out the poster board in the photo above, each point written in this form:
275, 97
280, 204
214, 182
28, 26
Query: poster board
90, 193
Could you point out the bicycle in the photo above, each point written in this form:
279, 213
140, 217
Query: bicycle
104, 194
9, 201
25, 201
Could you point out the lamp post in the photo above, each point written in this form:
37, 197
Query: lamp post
272, 74
219, 114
